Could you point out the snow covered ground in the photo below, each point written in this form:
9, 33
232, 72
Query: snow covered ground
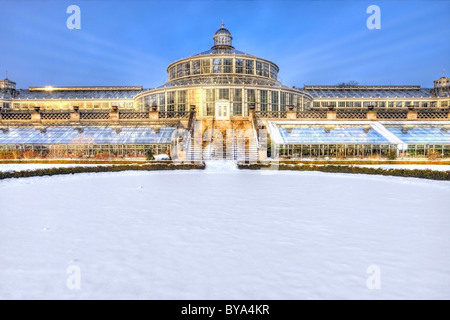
224, 234
34, 166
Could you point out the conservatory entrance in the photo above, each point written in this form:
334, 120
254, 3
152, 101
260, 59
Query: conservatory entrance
222, 110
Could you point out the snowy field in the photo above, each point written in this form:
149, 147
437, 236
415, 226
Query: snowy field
224, 234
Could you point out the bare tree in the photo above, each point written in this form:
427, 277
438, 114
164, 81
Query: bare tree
351, 83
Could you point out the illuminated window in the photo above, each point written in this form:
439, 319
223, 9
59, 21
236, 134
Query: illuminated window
171, 101
206, 66
181, 100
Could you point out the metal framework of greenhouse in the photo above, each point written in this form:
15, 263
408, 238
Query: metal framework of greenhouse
89, 150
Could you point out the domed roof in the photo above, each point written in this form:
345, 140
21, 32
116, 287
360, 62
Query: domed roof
223, 31
222, 39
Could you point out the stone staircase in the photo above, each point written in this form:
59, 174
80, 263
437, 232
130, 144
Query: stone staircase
219, 142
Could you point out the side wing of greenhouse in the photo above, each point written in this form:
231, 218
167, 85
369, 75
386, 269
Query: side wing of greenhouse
359, 139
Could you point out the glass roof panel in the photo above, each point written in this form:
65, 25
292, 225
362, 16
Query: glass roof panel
94, 135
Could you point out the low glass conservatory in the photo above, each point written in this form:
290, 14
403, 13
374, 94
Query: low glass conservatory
362, 139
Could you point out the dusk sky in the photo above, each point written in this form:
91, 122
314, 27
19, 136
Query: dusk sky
313, 42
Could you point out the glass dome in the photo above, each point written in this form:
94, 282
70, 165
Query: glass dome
225, 62
222, 39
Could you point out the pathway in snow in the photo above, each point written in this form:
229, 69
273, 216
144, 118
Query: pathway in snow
220, 166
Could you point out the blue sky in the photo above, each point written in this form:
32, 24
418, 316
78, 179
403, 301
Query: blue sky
313, 42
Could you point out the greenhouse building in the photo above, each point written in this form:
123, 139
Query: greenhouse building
224, 102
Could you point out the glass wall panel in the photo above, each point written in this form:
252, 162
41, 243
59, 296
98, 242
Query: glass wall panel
171, 101
196, 67
187, 68
263, 100
273, 72
217, 65
283, 100
228, 65
259, 71
172, 73
182, 100
248, 66
239, 65
251, 97
206, 66
224, 93
162, 101
274, 100
237, 102
265, 69
210, 102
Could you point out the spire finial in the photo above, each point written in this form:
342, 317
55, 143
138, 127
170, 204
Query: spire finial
443, 72
223, 24
6, 75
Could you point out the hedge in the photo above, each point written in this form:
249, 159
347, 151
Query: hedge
366, 162
415, 173
114, 168
70, 161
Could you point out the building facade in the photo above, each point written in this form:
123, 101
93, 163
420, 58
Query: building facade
227, 88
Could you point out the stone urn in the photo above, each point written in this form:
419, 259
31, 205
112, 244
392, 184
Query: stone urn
115, 108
